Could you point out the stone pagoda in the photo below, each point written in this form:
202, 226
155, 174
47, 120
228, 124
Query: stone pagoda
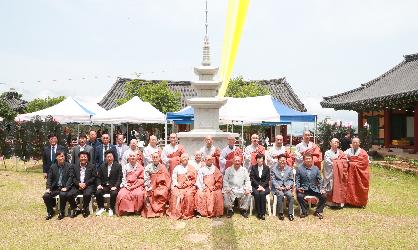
206, 105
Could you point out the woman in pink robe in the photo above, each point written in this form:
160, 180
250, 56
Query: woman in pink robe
183, 190
209, 198
130, 198
157, 186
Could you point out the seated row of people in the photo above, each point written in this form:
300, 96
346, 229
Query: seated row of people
187, 192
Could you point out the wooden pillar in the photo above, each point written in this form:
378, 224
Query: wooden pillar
416, 127
360, 120
387, 128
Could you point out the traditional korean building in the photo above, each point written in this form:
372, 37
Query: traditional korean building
13, 100
280, 89
388, 103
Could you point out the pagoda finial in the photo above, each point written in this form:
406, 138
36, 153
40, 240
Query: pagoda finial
206, 47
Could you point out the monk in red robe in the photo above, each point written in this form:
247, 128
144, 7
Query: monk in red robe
157, 184
308, 147
209, 198
358, 180
228, 154
171, 153
130, 198
210, 149
279, 149
252, 150
183, 190
335, 174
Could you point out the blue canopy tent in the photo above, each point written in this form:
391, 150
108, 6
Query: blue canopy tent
290, 115
287, 115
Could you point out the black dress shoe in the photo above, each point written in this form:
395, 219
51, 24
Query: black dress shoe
263, 217
291, 218
319, 215
229, 213
303, 215
49, 216
86, 214
61, 216
245, 213
259, 216
281, 217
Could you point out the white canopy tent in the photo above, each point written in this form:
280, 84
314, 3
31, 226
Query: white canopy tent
133, 111
68, 111
248, 110
1, 119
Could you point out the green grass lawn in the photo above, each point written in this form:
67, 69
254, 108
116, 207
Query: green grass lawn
390, 221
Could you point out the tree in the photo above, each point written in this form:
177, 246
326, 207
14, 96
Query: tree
237, 87
5, 111
328, 129
39, 103
158, 95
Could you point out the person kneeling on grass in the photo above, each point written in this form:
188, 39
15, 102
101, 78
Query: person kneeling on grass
309, 182
237, 185
58, 183
282, 185
109, 178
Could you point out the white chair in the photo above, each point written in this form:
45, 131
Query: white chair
308, 199
106, 198
58, 208
80, 196
275, 205
268, 204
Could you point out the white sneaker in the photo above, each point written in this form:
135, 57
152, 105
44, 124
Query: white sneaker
110, 212
101, 210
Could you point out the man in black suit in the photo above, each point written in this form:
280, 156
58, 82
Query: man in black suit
93, 142
108, 181
58, 183
49, 153
309, 182
84, 180
102, 148
82, 146
260, 177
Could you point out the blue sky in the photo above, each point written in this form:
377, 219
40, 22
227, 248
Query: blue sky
322, 47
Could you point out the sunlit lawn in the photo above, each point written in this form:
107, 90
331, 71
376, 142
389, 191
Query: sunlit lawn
389, 221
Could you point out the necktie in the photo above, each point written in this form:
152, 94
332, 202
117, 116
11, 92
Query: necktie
53, 154
60, 177
104, 151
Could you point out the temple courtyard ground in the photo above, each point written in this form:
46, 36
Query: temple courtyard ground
390, 221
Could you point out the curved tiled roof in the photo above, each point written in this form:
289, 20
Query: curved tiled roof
396, 88
12, 99
279, 89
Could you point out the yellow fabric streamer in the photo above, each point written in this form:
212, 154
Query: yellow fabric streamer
237, 11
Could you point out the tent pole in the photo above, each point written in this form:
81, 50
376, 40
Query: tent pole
165, 132
111, 134
232, 129
316, 122
127, 133
242, 134
291, 134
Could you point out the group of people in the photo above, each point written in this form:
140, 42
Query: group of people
155, 182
